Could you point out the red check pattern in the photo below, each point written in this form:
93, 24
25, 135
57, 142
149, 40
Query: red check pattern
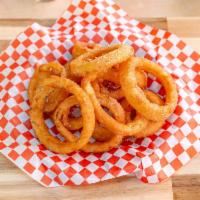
152, 159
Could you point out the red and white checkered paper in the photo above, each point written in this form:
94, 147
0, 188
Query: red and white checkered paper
152, 159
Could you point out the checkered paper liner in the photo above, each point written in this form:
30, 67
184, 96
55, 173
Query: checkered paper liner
152, 159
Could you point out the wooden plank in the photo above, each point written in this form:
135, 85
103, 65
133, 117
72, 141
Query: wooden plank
32, 9
155, 22
137, 8
161, 8
3, 44
193, 42
9, 22
184, 27
9, 33
191, 168
15, 184
186, 187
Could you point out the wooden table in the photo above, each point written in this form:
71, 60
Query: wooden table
181, 17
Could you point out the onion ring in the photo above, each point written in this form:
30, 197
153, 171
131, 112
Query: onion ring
126, 106
64, 108
137, 125
55, 95
41, 129
113, 76
71, 76
141, 78
109, 84
101, 134
113, 99
99, 60
111, 89
113, 106
104, 142
152, 126
130, 113
83, 47
136, 97
98, 147
76, 123
79, 48
73, 124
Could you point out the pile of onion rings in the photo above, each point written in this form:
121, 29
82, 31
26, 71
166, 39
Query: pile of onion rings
98, 98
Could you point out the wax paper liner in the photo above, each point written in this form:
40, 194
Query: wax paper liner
152, 159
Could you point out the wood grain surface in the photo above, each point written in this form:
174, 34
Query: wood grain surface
181, 17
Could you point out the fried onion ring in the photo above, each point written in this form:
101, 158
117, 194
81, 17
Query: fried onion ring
71, 76
83, 47
137, 125
76, 123
98, 98
98, 147
109, 84
55, 95
38, 122
126, 106
135, 95
64, 108
104, 142
141, 78
99, 60
111, 89
152, 126
101, 134
130, 113
113, 76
